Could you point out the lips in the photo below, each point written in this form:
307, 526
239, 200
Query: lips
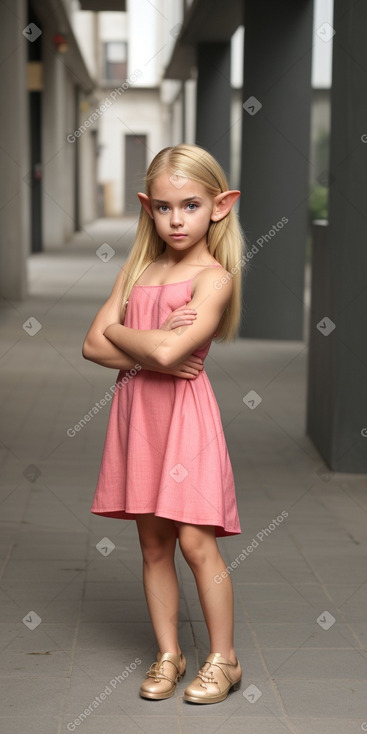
177, 236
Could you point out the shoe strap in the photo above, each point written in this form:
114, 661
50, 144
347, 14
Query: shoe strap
157, 675
171, 658
222, 667
205, 677
155, 671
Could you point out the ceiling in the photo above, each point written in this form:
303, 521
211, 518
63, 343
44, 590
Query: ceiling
98, 5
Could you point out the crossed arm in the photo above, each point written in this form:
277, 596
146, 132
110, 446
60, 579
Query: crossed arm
113, 345
167, 349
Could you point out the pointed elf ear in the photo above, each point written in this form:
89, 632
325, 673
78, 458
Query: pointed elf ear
145, 202
223, 204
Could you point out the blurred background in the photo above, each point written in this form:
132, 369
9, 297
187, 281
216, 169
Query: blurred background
87, 145
90, 91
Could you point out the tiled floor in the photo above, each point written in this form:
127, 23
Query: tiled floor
300, 591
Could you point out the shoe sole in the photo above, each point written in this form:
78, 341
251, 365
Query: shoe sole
155, 696
213, 699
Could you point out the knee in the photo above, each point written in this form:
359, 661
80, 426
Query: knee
155, 551
194, 552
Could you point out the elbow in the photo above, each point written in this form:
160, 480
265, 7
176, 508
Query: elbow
165, 357
87, 350
159, 358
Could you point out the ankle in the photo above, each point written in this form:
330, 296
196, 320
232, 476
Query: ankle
229, 654
174, 649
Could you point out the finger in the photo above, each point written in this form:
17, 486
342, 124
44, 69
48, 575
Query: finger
185, 309
191, 370
191, 317
185, 375
176, 323
185, 305
195, 364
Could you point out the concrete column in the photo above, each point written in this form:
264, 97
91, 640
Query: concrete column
14, 181
275, 162
213, 100
55, 151
337, 395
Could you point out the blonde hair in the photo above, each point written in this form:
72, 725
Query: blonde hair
225, 238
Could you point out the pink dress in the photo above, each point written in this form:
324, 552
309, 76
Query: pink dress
165, 451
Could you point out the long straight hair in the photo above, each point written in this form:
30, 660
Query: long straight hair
225, 239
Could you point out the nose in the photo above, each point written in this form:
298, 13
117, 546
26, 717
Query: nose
176, 217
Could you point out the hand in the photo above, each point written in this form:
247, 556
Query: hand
189, 369
182, 316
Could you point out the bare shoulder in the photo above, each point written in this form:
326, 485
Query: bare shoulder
212, 282
212, 277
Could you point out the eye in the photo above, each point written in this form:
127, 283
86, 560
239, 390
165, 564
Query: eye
192, 206
162, 208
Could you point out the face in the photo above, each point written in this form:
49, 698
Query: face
181, 210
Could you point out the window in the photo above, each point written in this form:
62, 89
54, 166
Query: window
115, 61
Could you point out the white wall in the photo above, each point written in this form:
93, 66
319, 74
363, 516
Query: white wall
236, 138
83, 23
138, 112
112, 26
176, 122
144, 47
149, 108
322, 51
190, 112
150, 30
237, 49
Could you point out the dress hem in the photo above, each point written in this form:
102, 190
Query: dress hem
220, 531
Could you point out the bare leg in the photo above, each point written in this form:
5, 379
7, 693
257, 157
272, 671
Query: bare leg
158, 541
200, 550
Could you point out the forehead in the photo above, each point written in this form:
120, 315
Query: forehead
176, 186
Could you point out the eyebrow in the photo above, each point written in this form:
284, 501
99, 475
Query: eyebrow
184, 201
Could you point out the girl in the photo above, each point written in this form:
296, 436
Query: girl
165, 461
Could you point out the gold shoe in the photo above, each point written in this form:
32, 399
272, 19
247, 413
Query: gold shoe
163, 675
214, 680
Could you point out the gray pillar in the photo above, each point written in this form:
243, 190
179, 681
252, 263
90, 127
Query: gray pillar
275, 163
213, 100
56, 151
14, 181
337, 394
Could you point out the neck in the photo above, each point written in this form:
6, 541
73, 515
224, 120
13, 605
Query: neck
193, 256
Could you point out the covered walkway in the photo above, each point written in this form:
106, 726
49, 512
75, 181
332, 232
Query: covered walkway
75, 635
